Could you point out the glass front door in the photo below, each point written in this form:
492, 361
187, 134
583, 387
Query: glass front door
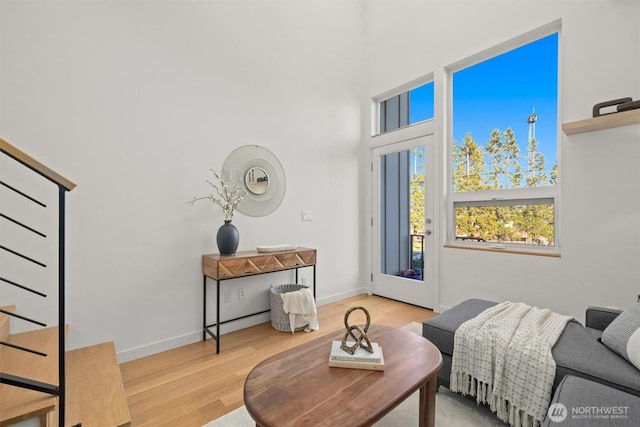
402, 221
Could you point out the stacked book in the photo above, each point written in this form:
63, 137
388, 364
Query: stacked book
361, 359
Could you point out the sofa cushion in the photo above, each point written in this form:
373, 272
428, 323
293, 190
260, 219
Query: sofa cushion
623, 335
582, 403
579, 353
441, 329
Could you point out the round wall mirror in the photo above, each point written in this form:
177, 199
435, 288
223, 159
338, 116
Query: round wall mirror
260, 173
257, 180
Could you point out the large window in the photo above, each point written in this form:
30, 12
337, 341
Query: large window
504, 171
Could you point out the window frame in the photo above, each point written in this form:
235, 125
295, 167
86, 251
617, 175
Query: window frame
504, 196
400, 90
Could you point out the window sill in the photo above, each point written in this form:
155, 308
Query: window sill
508, 250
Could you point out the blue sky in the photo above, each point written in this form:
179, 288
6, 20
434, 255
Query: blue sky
502, 92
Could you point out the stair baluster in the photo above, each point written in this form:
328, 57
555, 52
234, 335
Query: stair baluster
64, 185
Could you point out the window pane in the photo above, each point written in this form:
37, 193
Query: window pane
526, 224
407, 108
421, 103
505, 120
402, 213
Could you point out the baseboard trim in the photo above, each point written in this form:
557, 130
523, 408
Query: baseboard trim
158, 346
341, 296
443, 308
195, 336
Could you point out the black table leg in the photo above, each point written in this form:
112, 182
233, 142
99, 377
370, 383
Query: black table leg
204, 307
218, 317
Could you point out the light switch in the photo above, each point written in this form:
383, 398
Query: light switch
307, 216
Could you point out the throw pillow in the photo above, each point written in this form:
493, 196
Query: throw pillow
623, 335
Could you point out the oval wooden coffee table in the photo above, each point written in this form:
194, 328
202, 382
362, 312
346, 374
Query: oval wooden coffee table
298, 388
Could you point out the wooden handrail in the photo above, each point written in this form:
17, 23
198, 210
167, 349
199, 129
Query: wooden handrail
36, 165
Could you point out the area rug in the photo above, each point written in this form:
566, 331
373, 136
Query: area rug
452, 410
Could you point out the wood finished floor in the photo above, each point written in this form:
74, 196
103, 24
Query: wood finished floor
191, 385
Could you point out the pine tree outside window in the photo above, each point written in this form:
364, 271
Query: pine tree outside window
504, 133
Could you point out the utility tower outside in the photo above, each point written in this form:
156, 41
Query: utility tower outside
532, 148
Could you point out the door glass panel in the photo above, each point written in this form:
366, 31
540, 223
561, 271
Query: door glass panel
402, 213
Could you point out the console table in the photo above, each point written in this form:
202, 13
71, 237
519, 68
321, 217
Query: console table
248, 263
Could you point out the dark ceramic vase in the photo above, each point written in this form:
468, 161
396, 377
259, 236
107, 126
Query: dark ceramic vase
228, 238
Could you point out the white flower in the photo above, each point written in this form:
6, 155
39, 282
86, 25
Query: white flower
221, 196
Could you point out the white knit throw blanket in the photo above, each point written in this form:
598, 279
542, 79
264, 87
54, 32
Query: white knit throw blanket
503, 358
301, 308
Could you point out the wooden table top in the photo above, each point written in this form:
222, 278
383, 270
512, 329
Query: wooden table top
248, 263
297, 387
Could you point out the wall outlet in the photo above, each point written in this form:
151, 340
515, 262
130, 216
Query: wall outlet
227, 296
304, 281
241, 294
306, 215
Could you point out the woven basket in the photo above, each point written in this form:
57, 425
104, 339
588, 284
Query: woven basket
280, 319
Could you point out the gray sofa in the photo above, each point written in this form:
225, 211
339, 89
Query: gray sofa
579, 402
577, 353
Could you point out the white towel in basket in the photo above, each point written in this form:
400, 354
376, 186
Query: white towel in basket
301, 308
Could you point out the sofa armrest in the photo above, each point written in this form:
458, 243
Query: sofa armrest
600, 317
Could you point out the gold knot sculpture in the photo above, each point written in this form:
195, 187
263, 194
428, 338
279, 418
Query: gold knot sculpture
363, 332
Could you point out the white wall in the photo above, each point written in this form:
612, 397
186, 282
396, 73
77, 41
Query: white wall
600, 204
136, 100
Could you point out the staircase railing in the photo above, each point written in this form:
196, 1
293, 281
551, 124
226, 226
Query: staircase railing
64, 185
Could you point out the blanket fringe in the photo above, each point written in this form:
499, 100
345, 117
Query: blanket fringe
461, 382
503, 358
